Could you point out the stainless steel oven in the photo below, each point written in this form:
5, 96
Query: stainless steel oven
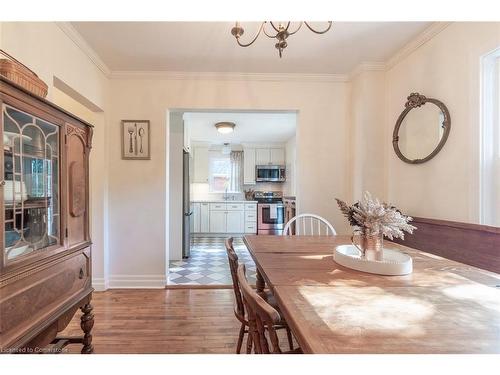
268, 223
270, 212
270, 173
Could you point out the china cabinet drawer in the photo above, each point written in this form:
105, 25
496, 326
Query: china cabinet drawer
251, 206
250, 216
217, 206
28, 300
235, 206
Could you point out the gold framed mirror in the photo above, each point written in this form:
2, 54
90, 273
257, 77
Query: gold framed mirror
421, 129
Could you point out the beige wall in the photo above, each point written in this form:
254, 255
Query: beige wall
47, 50
447, 67
138, 189
368, 135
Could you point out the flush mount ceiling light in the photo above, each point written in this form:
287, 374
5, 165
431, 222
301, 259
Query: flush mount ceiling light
225, 127
282, 33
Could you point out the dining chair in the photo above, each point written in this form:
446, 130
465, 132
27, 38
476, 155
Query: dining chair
239, 308
262, 318
308, 225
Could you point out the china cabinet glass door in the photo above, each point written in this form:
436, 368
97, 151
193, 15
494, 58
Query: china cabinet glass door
31, 190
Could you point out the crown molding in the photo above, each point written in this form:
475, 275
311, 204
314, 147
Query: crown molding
229, 76
409, 48
75, 36
417, 42
367, 66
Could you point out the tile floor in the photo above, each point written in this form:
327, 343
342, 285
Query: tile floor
208, 264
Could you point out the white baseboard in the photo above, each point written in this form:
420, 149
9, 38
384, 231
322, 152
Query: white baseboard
100, 284
137, 282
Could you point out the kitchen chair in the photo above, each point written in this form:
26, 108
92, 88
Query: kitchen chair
305, 224
239, 308
262, 317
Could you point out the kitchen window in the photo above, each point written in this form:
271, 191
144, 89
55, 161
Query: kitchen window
224, 172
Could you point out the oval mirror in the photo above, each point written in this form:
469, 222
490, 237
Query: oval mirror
421, 129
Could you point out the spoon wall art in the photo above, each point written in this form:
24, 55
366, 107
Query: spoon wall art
135, 140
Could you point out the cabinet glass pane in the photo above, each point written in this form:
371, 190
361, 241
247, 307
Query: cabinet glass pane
31, 190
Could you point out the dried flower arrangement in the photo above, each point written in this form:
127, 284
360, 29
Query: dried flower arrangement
369, 217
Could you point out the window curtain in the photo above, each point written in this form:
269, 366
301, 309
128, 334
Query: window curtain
236, 180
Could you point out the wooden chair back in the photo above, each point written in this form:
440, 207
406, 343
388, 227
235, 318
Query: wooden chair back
309, 225
233, 266
262, 317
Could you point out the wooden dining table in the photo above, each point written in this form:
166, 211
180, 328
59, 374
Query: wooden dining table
441, 307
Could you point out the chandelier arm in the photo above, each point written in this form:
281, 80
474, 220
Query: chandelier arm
265, 32
274, 27
254, 39
298, 28
319, 32
287, 25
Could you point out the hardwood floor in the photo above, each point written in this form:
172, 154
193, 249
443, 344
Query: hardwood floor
162, 321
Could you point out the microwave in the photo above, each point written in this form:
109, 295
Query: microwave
270, 173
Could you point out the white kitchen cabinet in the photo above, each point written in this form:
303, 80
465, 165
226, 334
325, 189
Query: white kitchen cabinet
195, 217
235, 206
224, 217
270, 156
250, 218
191, 218
262, 156
217, 221
218, 206
251, 228
235, 221
204, 217
277, 156
249, 166
200, 164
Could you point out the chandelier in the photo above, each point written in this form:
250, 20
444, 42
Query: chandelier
280, 33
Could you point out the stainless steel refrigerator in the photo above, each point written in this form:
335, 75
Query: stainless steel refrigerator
186, 207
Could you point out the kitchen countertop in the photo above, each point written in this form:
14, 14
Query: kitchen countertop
221, 201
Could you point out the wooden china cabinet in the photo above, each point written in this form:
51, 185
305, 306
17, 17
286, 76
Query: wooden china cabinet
45, 264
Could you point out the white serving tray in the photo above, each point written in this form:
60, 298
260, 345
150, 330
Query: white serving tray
394, 262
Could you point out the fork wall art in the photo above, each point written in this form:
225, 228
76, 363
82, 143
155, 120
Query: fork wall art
135, 140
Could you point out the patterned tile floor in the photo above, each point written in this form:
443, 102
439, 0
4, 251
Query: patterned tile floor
208, 264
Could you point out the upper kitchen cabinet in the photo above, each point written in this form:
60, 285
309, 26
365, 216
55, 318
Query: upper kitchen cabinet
249, 166
200, 173
254, 155
262, 156
270, 156
277, 156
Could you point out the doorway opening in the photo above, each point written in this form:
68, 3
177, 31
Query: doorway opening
219, 180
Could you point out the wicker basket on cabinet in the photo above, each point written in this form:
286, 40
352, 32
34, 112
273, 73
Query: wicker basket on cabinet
21, 75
